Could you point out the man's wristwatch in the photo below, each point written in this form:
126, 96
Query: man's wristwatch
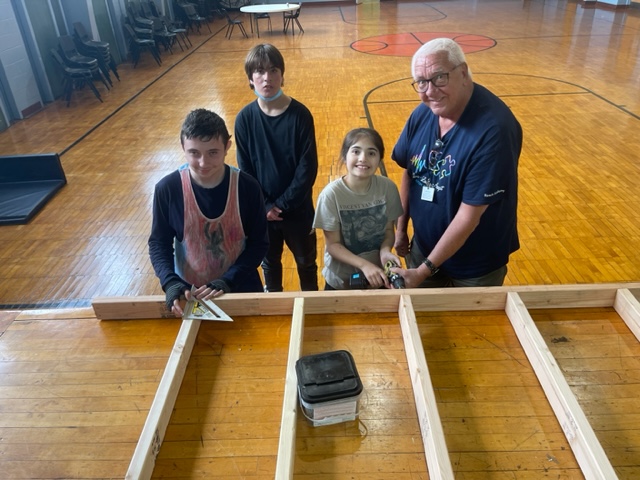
431, 266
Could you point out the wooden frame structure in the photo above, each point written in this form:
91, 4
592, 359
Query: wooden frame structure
514, 301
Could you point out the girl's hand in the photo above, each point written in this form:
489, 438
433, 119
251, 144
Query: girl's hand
375, 276
388, 256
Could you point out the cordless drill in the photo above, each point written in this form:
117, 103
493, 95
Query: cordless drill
359, 281
395, 279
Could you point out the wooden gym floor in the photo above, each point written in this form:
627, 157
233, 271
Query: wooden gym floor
74, 391
571, 75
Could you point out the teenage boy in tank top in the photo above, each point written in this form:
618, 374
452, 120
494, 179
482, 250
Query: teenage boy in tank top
208, 229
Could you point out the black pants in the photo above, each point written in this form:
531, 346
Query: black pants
300, 237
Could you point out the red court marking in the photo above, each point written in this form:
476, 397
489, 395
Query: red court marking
406, 44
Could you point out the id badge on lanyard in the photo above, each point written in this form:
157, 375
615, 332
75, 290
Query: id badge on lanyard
427, 194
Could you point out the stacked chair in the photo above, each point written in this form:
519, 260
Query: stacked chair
161, 33
215, 8
98, 50
149, 10
74, 59
163, 36
140, 39
140, 35
138, 22
193, 18
75, 78
210, 9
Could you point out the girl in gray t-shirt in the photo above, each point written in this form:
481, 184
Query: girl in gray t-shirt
357, 213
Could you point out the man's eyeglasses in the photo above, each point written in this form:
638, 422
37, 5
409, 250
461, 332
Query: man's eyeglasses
439, 80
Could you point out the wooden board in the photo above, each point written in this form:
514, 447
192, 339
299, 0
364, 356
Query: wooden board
583, 441
151, 438
287, 442
362, 301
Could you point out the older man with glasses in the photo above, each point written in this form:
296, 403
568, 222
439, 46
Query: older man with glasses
460, 148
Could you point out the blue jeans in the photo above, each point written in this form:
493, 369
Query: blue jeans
300, 237
440, 279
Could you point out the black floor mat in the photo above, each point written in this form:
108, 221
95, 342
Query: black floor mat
21, 201
27, 183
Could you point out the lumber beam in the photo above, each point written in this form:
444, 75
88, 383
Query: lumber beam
435, 447
363, 301
582, 439
628, 308
287, 442
148, 447
254, 304
571, 296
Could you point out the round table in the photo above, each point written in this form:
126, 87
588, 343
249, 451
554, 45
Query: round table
268, 8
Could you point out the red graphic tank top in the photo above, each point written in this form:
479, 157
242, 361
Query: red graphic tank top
209, 246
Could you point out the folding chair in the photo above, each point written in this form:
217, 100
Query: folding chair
74, 59
262, 16
194, 17
97, 49
289, 18
137, 44
231, 23
75, 78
